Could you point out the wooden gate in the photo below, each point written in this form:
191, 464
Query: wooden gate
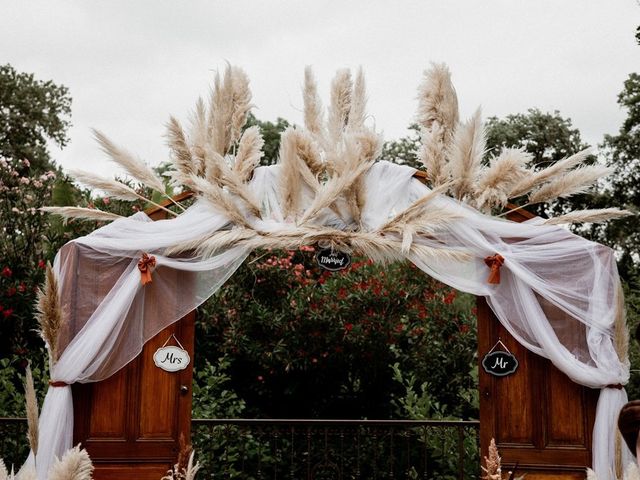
131, 432
135, 423
539, 418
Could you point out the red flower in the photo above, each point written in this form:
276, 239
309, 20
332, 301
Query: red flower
6, 272
22, 288
11, 291
450, 297
42, 265
348, 327
8, 312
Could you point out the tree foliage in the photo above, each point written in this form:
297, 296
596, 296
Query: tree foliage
31, 113
622, 152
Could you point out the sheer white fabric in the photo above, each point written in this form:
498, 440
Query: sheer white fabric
557, 294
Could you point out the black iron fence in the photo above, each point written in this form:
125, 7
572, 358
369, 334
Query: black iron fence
315, 449
337, 449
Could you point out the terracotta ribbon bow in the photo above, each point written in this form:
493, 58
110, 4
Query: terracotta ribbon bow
145, 265
494, 262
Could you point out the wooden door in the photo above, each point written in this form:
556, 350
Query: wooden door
136, 423
538, 417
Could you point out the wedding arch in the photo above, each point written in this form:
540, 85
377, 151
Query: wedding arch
329, 188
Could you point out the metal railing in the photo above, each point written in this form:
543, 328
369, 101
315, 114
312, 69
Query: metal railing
337, 449
315, 449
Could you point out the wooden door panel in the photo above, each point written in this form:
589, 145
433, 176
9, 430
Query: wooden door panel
135, 423
141, 471
108, 406
539, 418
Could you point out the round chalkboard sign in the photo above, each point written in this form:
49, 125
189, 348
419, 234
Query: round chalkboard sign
333, 260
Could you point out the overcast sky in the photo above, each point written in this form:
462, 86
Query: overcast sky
131, 64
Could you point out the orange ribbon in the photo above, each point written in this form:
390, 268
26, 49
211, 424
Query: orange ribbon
494, 262
145, 264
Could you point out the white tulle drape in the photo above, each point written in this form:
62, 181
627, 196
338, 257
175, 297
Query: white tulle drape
557, 294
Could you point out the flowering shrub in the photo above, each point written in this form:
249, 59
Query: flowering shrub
305, 342
24, 248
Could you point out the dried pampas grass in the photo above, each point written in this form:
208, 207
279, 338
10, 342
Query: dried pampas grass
249, 153
496, 181
340, 106
4, 473
185, 473
181, 157
68, 213
228, 109
31, 402
139, 170
313, 120
49, 313
535, 178
571, 183
113, 188
433, 154
358, 108
465, 155
416, 210
492, 467
297, 152
589, 216
438, 101
75, 464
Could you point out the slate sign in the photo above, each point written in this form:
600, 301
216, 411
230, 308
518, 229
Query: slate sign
500, 364
333, 260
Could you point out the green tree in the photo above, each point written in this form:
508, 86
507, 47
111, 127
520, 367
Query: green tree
623, 154
271, 132
31, 113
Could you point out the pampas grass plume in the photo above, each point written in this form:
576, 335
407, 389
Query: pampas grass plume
465, 156
437, 98
135, 167
312, 104
571, 183
74, 465
32, 410
49, 312
249, 153
340, 106
535, 178
80, 213
589, 216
